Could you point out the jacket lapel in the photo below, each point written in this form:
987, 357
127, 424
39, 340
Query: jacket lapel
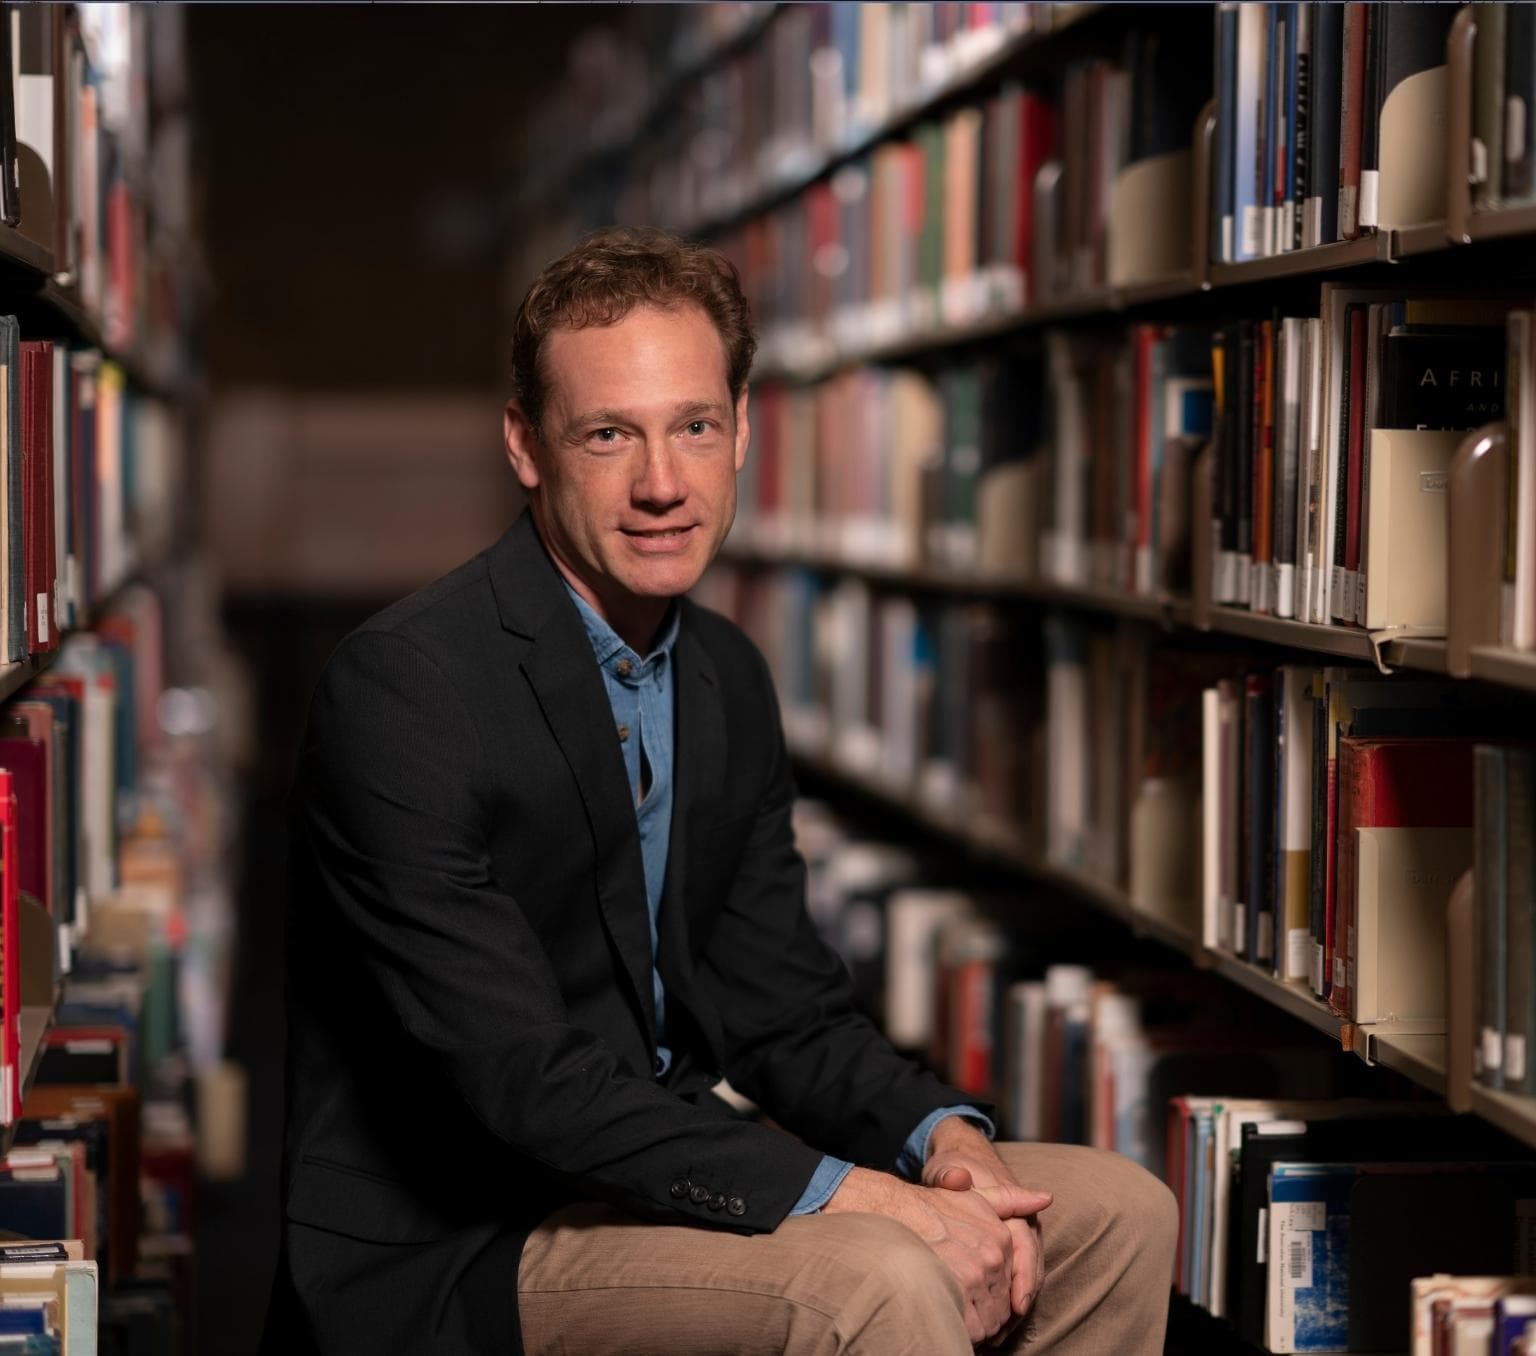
569, 689
698, 776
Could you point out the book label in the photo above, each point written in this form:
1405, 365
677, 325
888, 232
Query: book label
1493, 1050
1514, 1057
1298, 953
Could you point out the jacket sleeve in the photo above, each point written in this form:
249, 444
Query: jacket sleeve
797, 1045
390, 806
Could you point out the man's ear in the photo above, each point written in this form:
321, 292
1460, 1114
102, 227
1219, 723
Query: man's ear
522, 445
743, 429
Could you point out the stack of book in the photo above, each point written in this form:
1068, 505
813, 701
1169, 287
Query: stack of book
1338, 813
1323, 114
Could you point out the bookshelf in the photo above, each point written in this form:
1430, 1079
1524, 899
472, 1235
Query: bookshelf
811, 342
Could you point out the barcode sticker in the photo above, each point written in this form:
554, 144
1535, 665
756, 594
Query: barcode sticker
42, 619
1493, 1049
1298, 1261
1263, 1257
1514, 1057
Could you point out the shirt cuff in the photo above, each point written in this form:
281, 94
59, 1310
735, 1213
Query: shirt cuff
824, 1181
914, 1153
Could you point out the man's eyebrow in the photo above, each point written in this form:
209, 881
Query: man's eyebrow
603, 416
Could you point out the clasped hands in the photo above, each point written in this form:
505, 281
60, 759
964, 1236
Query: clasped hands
974, 1215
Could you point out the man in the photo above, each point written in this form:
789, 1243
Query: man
546, 896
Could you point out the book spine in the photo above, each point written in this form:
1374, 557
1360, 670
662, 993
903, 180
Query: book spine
1353, 504
1323, 122
10, 964
1356, 788
1259, 716
1317, 866
1301, 156
1225, 84
1520, 102
1351, 106
1273, 120
1489, 882
1263, 466
1377, 24
1520, 896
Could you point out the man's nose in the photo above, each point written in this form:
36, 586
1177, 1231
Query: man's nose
660, 481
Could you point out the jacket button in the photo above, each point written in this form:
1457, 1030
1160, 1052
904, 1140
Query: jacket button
736, 1206
680, 1188
698, 1195
717, 1201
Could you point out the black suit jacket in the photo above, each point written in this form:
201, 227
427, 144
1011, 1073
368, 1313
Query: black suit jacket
471, 1033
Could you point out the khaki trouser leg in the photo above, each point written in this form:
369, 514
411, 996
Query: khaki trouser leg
593, 1282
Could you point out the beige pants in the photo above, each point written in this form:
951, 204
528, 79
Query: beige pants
595, 1283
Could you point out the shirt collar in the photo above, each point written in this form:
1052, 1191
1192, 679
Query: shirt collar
606, 643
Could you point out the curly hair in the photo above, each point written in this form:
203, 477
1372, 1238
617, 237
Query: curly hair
605, 277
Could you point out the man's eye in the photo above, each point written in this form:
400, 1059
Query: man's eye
604, 435
698, 428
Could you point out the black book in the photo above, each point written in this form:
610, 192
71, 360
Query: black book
1520, 100
1370, 118
1355, 316
1166, 96
1302, 18
1476, 1209
10, 188
34, 1206
1378, 1139
1225, 495
1323, 120
1243, 419
1317, 913
1226, 125
1442, 377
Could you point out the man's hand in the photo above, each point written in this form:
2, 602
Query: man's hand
961, 1158
964, 1228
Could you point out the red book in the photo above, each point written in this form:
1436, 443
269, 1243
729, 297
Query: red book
823, 233
1354, 488
1391, 783
1037, 144
10, 967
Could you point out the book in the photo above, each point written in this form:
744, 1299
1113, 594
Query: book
1400, 784
1488, 107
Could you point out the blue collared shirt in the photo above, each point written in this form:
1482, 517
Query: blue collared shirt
640, 692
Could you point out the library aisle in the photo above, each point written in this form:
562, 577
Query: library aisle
1138, 525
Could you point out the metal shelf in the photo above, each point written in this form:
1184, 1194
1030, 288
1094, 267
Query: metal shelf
1511, 1112
1417, 1055
24, 252
1375, 248
1513, 668
1503, 222
1288, 995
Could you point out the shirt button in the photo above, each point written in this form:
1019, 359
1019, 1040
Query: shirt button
679, 1188
622, 668
717, 1201
699, 1194
623, 733
736, 1206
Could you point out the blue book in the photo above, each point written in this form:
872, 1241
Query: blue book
1270, 124
1199, 1225
1290, 19
17, 1319
1308, 1250
1247, 133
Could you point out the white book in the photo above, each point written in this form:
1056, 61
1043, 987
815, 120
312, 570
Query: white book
1210, 818
1293, 903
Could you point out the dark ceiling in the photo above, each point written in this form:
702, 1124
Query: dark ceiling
351, 161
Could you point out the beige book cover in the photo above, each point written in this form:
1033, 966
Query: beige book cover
1404, 885
1008, 519
1406, 503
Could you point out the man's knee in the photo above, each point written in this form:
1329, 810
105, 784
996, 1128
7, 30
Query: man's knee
898, 1272
1112, 1196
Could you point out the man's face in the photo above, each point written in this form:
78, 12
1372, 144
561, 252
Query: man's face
634, 478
